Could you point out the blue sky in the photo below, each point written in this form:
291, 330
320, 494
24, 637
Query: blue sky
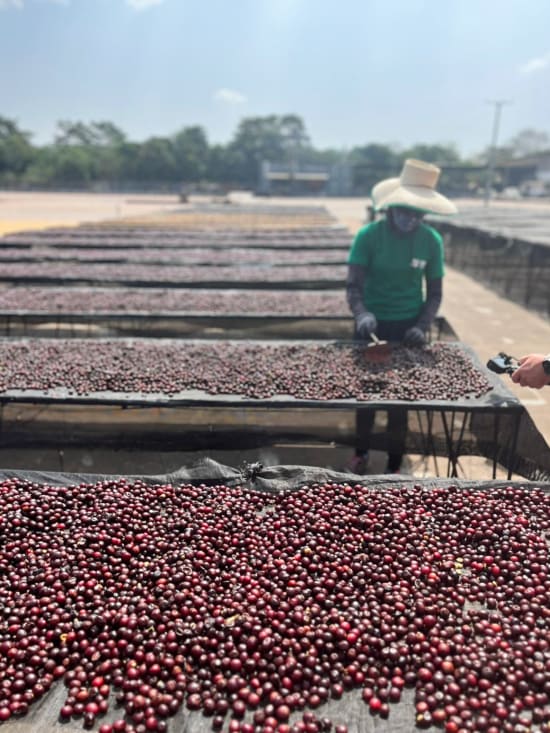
357, 71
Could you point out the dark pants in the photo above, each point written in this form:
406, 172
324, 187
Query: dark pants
397, 416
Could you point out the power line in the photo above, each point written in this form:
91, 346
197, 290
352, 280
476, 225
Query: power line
498, 105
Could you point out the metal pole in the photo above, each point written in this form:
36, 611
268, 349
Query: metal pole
498, 104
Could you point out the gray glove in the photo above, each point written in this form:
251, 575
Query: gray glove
365, 324
414, 337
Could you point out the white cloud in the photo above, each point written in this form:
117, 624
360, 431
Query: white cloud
229, 96
143, 4
536, 64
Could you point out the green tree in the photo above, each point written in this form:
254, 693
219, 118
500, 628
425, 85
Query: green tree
376, 155
75, 133
88, 152
156, 162
41, 171
107, 134
61, 167
329, 156
223, 164
126, 161
74, 167
501, 154
76, 162
191, 153
295, 140
528, 142
16, 150
109, 150
438, 154
275, 138
371, 163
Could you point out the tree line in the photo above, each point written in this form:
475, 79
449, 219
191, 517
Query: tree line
99, 155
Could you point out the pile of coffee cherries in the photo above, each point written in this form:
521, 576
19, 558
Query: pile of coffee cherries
169, 300
177, 274
306, 371
184, 256
86, 237
258, 611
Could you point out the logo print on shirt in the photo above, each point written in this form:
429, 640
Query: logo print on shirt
418, 264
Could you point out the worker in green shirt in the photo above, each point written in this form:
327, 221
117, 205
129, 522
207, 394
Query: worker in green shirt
394, 283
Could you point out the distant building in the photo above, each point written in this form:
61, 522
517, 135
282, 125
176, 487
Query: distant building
531, 174
287, 179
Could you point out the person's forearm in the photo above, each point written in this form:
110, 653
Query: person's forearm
355, 288
434, 294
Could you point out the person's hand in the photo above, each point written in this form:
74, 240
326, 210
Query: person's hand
414, 337
530, 372
366, 324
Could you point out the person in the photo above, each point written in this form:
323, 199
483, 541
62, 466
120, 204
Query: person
533, 371
389, 262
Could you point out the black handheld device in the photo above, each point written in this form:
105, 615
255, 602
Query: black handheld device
503, 364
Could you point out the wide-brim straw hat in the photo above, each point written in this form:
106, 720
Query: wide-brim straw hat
415, 188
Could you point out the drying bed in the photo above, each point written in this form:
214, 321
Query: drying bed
230, 214
177, 238
259, 392
203, 255
321, 606
190, 371
509, 222
253, 276
515, 265
151, 301
175, 312
122, 230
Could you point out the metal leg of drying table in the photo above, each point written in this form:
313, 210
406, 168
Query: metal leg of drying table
453, 446
514, 442
427, 440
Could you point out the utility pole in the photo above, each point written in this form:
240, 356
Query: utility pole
498, 105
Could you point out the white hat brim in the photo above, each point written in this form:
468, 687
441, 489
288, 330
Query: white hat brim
382, 189
391, 193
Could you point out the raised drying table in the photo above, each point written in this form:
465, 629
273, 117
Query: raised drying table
200, 276
508, 252
489, 423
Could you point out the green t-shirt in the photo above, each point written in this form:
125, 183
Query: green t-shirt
396, 268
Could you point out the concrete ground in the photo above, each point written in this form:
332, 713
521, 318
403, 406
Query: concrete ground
21, 211
481, 318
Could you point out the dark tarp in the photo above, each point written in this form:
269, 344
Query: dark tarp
256, 477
